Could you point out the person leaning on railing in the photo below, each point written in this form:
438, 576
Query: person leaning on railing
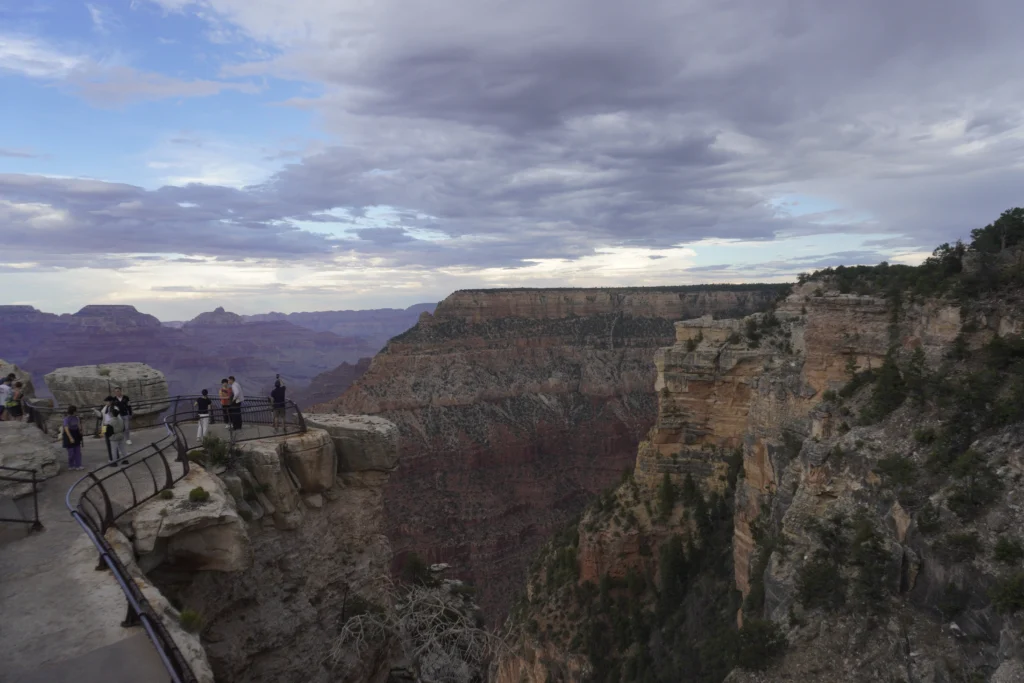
203, 411
278, 402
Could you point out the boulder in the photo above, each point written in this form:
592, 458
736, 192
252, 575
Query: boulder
363, 442
22, 445
208, 535
19, 376
311, 458
88, 385
277, 493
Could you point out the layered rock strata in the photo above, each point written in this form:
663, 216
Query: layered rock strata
290, 535
515, 407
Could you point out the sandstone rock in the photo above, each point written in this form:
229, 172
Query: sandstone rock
191, 535
1010, 671
20, 375
312, 459
22, 445
187, 642
88, 385
315, 501
363, 442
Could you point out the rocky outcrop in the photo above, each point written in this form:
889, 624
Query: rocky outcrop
316, 548
376, 326
89, 385
189, 534
363, 442
516, 406
19, 376
23, 446
217, 316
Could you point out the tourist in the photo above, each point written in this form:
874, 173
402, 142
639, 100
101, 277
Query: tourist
277, 399
13, 402
236, 403
225, 402
124, 407
203, 409
115, 435
5, 393
72, 436
103, 416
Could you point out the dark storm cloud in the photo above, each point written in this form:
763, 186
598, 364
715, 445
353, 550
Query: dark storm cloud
535, 129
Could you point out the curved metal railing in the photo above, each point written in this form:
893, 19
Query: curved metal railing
102, 497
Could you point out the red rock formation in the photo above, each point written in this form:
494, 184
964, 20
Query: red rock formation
331, 384
515, 407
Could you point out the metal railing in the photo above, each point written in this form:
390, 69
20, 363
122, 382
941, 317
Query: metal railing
24, 476
101, 498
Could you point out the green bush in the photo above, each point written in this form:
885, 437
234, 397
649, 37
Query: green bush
961, 546
820, 584
889, 392
190, 620
198, 495
928, 519
167, 494
924, 435
413, 569
1008, 593
666, 496
1008, 550
897, 470
759, 643
830, 396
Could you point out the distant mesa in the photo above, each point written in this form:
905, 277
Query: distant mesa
217, 316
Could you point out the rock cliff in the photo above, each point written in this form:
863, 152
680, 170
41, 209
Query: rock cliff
329, 385
286, 544
517, 406
842, 474
89, 385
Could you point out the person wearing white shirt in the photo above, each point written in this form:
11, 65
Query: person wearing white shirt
236, 403
5, 393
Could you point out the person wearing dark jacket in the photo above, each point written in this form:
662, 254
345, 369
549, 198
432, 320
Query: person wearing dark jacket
277, 399
124, 407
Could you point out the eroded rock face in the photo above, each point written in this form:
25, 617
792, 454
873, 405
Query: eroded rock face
88, 385
22, 445
363, 442
514, 408
20, 375
275, 620
193, 536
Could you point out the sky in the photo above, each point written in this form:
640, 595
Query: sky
292, 155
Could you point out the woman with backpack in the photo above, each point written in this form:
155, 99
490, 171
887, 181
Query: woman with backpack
71, 431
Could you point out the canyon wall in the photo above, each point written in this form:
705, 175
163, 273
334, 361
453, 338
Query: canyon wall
844, 508
515, 408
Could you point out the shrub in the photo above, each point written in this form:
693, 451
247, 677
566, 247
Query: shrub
819, 584
218, 451
961, 546
413, 569
1008, 550
928, 519
167, 494
759, 643
198, 495
899, 471
1008, 593
924, 435
830, 395
890, 390
869, 555
190, 620
734, 338
666, 496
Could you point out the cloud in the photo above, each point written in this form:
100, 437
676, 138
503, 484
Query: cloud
99, 22
19, 153
103, 82
546, 140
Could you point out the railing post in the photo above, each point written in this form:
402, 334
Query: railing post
131, 618
36, 525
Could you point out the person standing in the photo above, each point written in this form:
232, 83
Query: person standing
13, 402
5, 393
116, 431
236, 403
225, 402
203, 409
124, 407
278, 403
103, 417
71, 430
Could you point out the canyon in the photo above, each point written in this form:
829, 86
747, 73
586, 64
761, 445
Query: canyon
196, 354
839, 477
515, 408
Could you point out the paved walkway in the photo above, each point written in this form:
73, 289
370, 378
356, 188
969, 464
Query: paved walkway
60, 619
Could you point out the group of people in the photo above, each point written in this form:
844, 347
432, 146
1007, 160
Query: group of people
231, 398
114, 419
12, 395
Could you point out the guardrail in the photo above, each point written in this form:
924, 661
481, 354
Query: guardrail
31, 479
101, 498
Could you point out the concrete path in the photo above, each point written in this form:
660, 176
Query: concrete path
60, 619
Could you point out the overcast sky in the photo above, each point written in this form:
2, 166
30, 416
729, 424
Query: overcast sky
314, 154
